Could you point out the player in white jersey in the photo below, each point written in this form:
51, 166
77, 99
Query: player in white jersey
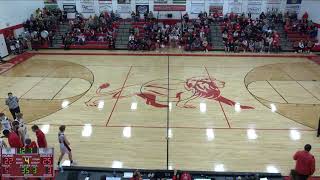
2, 144
5, 122
22, 127
64, 145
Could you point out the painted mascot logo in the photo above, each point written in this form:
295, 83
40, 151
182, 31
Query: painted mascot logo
155, 92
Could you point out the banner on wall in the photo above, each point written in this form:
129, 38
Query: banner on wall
69, 8
87, 6
216, 1
235, 7
179, 1
142, 1
160, 1
293, 8
216, 8
196, 8
124, 8
197, 1
105, 6
254, 9
142, 8
254, 6
50, 4
294, 1
169, 8
124, 1
273, 1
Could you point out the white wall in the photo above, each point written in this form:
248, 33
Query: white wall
13, 12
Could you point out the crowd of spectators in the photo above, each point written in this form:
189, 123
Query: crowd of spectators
41, 21
192, 34
244, 33
302, 26
305, 30
96, 28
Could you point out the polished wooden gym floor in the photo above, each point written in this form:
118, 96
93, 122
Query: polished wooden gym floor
221, 113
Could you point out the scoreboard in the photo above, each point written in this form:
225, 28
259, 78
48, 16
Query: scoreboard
27, 162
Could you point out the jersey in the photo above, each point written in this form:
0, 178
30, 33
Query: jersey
6, 125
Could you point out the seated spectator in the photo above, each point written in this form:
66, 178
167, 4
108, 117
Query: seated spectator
305, 16
309, 47
301, 46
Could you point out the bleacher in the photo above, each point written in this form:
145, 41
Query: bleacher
81, 173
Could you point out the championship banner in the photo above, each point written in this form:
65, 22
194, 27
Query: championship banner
142, 8
179, 1
216, 1
142, 1
160, 1
294, 1
293, 8
273, 1
124, 8
197, 1
69, 8
105, 6
196, 8
87, 6
216, 8
235, 7
254, 6
124, 1
169, 8
50, 4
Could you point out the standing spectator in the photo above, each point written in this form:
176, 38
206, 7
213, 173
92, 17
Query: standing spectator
13, 139
64, 145
13, 103
41, 138
305, 164
5, 122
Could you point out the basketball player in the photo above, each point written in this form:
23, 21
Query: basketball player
41, 138
22, 126
5, 122
18, 131
2, 144
64, 145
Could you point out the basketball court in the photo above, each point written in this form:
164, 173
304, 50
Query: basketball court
222, 113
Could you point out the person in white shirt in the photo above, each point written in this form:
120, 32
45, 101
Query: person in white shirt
22, 127
5, 122
3, 143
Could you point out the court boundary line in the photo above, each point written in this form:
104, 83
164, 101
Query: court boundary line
115, 104
179, 127
277, 92
179, 54
302, 86
222, 109
61, 88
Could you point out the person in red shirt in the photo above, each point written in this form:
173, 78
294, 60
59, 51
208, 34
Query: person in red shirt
182, 176
13, 139
305, 16
41, 138
30, 144
305, 164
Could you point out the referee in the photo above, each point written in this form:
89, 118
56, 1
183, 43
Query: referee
13, 103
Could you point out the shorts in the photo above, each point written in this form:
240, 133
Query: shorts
65, 149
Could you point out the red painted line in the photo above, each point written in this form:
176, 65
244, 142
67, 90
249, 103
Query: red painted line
115, 104
181, 54
181, 127
224, 113
225, 116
